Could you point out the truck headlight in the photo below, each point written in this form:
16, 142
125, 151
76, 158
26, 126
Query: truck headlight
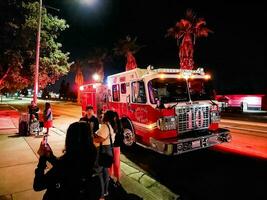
166, 123
214, 116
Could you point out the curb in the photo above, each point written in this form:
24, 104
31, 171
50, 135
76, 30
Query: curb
159, 191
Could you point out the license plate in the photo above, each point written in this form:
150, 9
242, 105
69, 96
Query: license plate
196, 144
213, 139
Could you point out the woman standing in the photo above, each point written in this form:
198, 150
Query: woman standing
48, 117
114, 170
103, 140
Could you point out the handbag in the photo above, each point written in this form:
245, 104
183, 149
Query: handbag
105, 159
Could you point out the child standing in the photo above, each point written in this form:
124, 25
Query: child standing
48, 117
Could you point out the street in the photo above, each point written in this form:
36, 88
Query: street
206, 174
243, 132
236, 170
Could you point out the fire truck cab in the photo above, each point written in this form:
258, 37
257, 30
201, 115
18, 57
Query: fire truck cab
171, 111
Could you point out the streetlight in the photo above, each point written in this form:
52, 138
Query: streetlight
96, 77
88, 2
37, 58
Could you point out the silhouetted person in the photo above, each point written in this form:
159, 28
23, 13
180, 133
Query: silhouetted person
72, 175
33, 111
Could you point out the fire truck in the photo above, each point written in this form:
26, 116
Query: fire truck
171, 111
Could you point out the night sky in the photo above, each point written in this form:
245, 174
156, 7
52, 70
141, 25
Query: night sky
233, 54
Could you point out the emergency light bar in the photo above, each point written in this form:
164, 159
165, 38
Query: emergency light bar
183, 72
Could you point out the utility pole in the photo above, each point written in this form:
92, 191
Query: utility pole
36, 69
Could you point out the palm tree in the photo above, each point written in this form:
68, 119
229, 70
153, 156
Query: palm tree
185, 30
96, 59
127, 47
79, 81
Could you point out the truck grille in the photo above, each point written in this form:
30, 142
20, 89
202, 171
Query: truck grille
193, 117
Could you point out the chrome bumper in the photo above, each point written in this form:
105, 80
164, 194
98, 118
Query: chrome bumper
175, 146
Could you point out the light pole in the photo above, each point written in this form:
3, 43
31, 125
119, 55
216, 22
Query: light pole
36, 69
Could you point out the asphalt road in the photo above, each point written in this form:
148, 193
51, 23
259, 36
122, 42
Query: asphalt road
206, 174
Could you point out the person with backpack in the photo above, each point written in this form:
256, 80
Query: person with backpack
33, 111
72, 175
33, 125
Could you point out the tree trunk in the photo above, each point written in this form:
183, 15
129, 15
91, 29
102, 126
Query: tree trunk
131, 62
100, 70
79, 82
186, 53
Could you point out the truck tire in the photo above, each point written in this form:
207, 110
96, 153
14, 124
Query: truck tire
128, 137
128, 132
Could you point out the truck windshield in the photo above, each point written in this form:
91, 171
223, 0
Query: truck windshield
167, 90
171, 90
200, 89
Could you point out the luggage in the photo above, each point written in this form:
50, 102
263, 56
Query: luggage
23, 128
29, 124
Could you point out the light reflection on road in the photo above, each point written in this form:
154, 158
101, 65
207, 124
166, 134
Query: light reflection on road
248, 138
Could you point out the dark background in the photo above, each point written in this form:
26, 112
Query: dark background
233, 54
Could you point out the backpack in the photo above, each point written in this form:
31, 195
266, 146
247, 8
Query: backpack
85, 187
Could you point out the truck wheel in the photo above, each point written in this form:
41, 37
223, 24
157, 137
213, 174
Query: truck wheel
128, 137
128, 132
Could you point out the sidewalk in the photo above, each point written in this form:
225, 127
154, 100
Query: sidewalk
18, 159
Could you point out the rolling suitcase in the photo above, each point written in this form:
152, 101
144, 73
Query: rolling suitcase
23, 128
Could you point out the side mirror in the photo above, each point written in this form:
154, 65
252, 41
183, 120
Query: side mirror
160, 105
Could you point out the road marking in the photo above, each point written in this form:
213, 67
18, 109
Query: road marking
244, 122
260, 133
13, 107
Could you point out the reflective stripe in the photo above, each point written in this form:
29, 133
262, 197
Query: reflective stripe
146, 126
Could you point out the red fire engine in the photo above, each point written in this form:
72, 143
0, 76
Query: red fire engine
171, 111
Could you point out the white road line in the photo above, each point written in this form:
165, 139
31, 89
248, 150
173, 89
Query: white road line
245, 129
244, 122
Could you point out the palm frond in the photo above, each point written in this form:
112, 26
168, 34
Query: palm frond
199, 23
190, 15
125, 45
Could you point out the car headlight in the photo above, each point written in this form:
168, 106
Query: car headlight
166, 123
